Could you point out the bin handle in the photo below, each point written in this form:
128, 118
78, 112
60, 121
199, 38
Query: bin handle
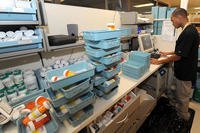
123, 119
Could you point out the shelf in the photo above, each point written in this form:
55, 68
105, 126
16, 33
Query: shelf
149, 23
19, 53
19, 23
161, 19
125, 86
67, 46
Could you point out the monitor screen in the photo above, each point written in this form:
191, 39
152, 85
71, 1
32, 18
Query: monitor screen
146, 42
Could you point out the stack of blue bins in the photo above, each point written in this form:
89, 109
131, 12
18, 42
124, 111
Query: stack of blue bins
104, 51
72, 97
160, 14
137, 65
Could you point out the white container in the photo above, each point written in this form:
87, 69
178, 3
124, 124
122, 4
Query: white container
31, 82
128, 17
7, 3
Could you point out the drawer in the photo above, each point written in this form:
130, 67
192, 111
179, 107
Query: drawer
119, 120
130, 124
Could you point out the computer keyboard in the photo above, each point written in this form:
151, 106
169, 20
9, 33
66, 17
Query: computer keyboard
155, 55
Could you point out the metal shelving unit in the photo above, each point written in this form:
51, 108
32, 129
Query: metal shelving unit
19, 22
78, 44
20, 53
36, 23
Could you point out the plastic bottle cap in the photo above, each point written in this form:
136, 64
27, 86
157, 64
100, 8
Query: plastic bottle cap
42, 101
54, 78
30, 105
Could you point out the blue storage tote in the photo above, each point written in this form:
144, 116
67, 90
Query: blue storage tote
94, 52
75, 89
110, 94
82, 69
51, 126
104, 44
109, 73
134, 70
20, 48
107, 86
155, 12
98, 79
80, 103
98, 35
17, 17
73, 107
80, 116
98, 66
61, 99
108, 60
162, 12
198, 52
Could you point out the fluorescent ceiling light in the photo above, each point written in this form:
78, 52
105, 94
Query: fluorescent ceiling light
197, 8
143, 5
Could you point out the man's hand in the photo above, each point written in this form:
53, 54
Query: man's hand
155, 61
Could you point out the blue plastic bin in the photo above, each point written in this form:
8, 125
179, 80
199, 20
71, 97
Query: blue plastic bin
108, 60
107, 88
98, 80
80, 103
98, 35
87, 99
134, 70
111, 93
80, 116
155, 12
97, 53
57, 102
106, 95
104, 44
98, 66
111, 72
17, 17
162, 12
76, 89
82, 69
20, 48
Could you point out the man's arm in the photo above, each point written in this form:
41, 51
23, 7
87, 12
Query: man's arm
166, 53
169, 59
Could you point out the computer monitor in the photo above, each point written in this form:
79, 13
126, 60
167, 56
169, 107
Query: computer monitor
145, 42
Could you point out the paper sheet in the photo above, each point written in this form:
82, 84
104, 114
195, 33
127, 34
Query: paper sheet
168, 31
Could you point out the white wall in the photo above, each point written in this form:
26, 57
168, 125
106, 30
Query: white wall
163, 45
59, 16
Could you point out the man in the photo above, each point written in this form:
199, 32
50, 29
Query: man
185, 59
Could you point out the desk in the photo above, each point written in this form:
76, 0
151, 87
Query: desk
125, 86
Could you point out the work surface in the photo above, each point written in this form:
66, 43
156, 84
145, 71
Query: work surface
126, 85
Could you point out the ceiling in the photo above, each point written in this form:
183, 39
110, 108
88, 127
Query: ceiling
127, 5
192, 3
